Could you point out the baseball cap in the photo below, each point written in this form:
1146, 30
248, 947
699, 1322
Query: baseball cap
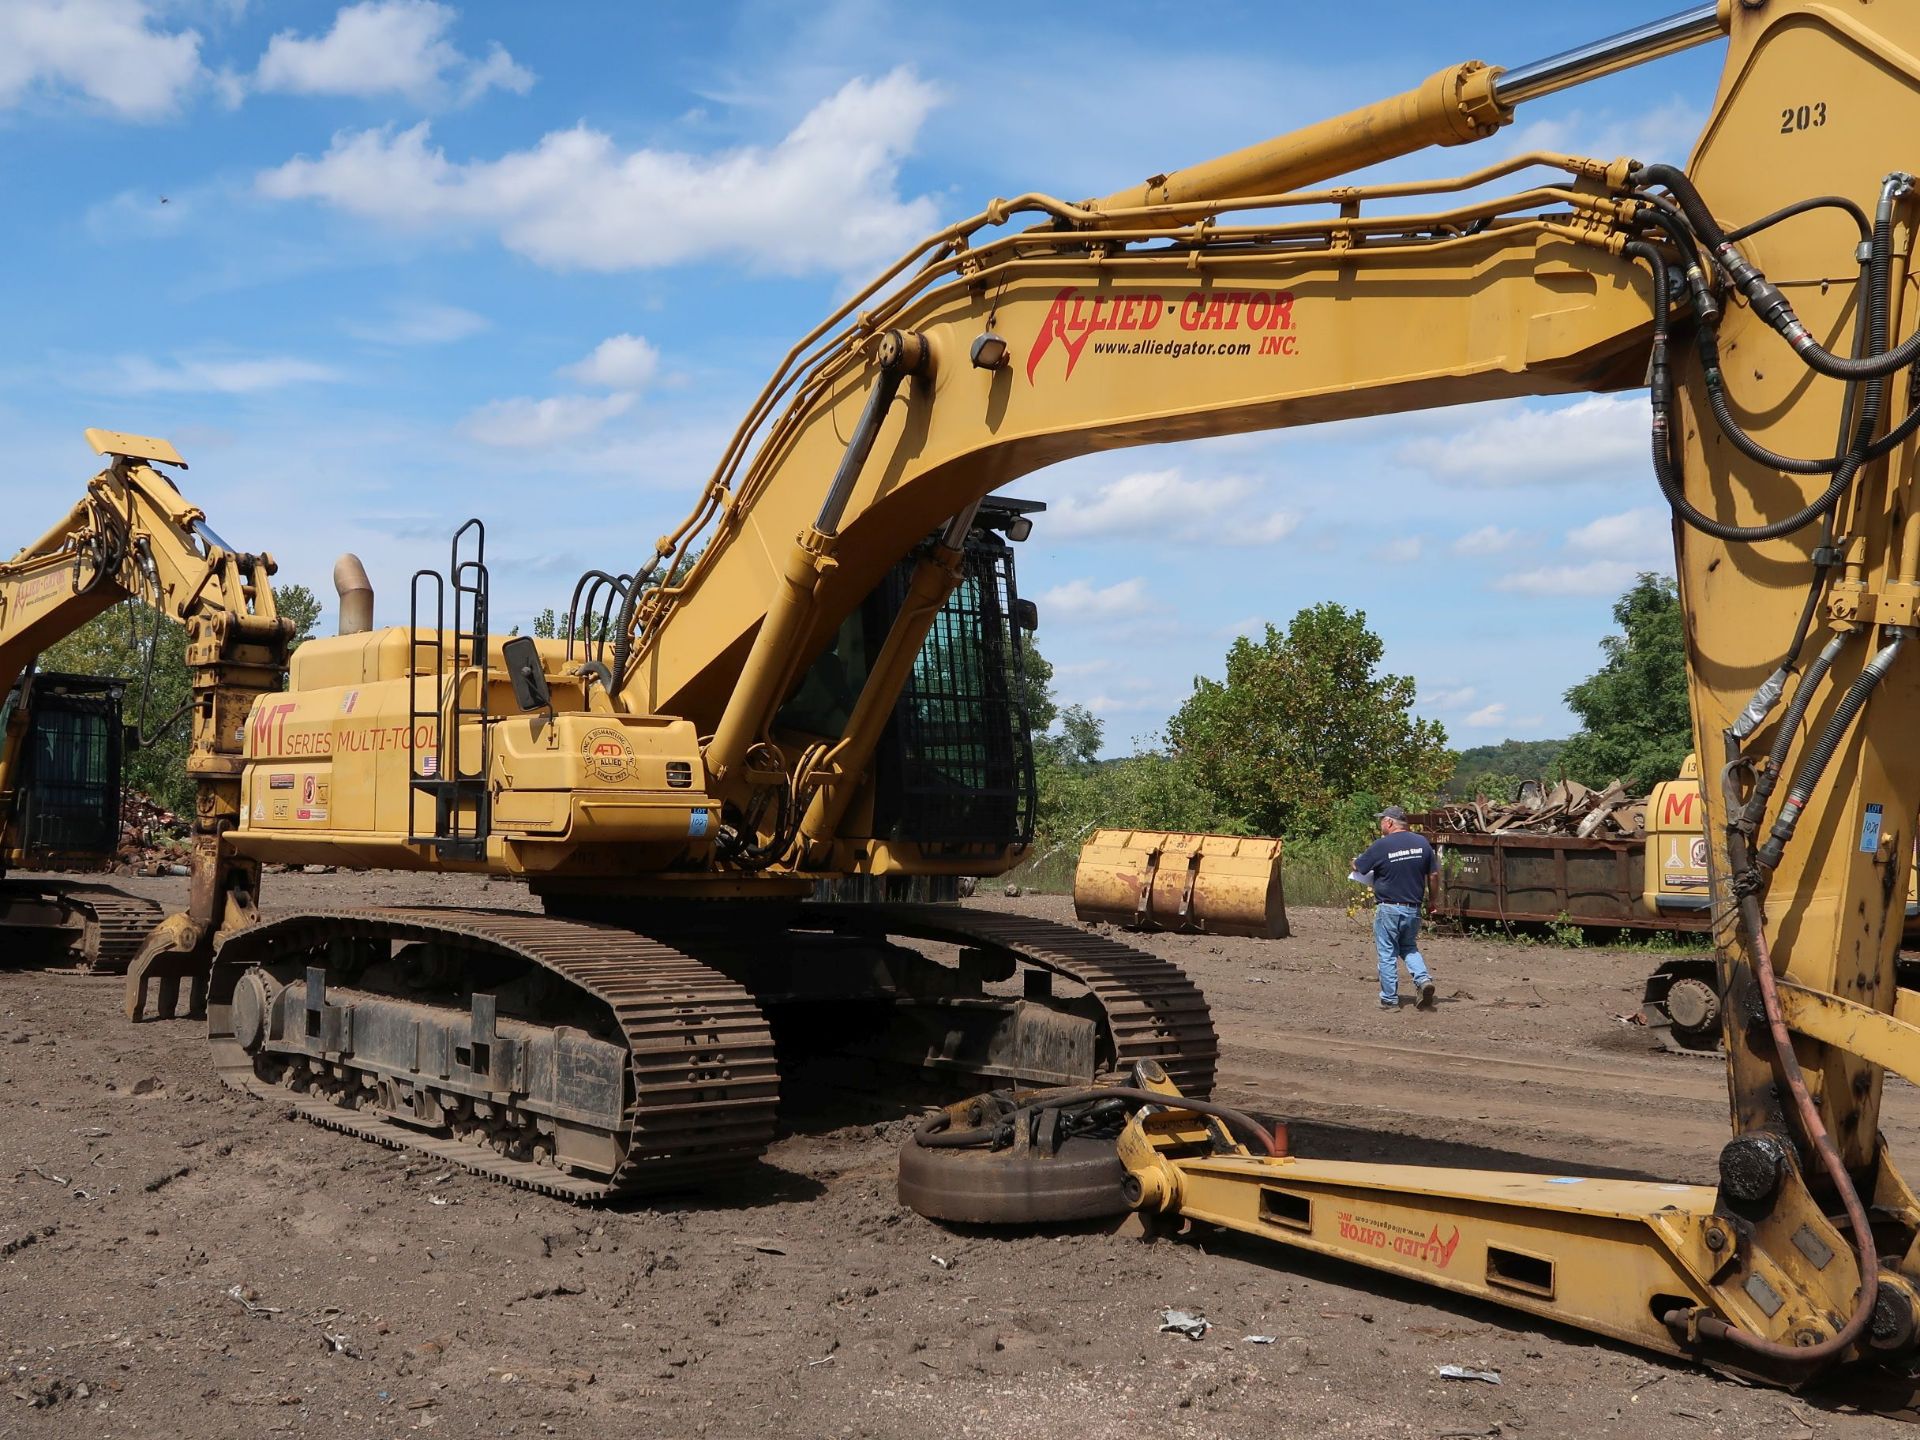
1392, 812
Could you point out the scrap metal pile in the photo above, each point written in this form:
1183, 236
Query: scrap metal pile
1564, 808
153, 841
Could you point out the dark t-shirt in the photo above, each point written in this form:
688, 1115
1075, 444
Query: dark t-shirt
1398, 864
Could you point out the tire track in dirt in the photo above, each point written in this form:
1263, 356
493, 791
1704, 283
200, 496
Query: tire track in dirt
1665, 1116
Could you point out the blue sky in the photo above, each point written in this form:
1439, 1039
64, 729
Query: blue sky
375, 268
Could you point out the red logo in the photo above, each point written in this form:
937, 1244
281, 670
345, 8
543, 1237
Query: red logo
270, 727
1678, 808
1381, 1235
1073, 319
1434, 1250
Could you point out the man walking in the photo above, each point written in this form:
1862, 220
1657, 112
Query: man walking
1397, 865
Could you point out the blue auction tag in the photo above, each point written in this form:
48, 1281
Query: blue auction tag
697, 824
1870, 829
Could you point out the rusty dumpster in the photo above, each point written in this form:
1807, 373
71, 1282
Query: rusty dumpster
1544, 878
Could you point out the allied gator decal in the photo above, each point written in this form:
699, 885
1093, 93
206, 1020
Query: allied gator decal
1256, 322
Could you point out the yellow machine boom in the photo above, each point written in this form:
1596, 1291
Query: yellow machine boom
619, 1042
134, 536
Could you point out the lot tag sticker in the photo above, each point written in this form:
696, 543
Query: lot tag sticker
1870, 829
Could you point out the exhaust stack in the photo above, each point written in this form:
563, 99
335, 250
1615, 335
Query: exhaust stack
356, 595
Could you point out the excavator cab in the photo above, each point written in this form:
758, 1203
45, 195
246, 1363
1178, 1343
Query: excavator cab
61, 749
66, 810
953, 772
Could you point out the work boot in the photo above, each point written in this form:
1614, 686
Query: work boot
1425, 1001
1390, 1005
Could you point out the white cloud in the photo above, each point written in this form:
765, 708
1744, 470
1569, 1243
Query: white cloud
1104, 704
1601, 437
1620, 547
1403, 551
223, 375
1488, 715
497, 72
1457, 698
110, 51
1081, 600
412, 322
825, 197
1488, 540
525, 422
1169, 503
385, 47
1644, 536
1082, 667
1593, 577
620, 362
1664, 132
1250, 626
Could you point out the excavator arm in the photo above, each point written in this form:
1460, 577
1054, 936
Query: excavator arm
1762, 291
134, 536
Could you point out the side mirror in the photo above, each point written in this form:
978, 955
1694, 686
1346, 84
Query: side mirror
1026, 615
522, 657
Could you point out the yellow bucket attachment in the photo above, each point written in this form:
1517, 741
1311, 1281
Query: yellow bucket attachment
1198, 884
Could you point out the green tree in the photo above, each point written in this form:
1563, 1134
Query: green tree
1082, 733
133, 642
1636, 724
1304, 721
1494, 771
1036, 687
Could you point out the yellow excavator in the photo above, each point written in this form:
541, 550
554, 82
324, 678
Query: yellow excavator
131, 536
821, 695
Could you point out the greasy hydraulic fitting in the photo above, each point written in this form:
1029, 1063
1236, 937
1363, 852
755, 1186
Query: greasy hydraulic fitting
1752, 1168
1893, 1325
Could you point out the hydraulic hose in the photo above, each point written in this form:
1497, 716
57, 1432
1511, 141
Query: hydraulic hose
1821, 567
1807, 777
1870, 335
1664, 471
1772, 306
623, 636
1801, 207
1755, 809
590, 583
1866, 1253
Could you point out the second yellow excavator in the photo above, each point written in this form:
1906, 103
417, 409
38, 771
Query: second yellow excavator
828, 692
131, 536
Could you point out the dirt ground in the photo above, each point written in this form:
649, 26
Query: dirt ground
177, 1259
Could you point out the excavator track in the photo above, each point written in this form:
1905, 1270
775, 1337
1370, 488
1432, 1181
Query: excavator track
119, 926
702, 1081
95, 927
1153, 1011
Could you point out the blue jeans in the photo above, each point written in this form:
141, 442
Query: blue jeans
1396, 934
